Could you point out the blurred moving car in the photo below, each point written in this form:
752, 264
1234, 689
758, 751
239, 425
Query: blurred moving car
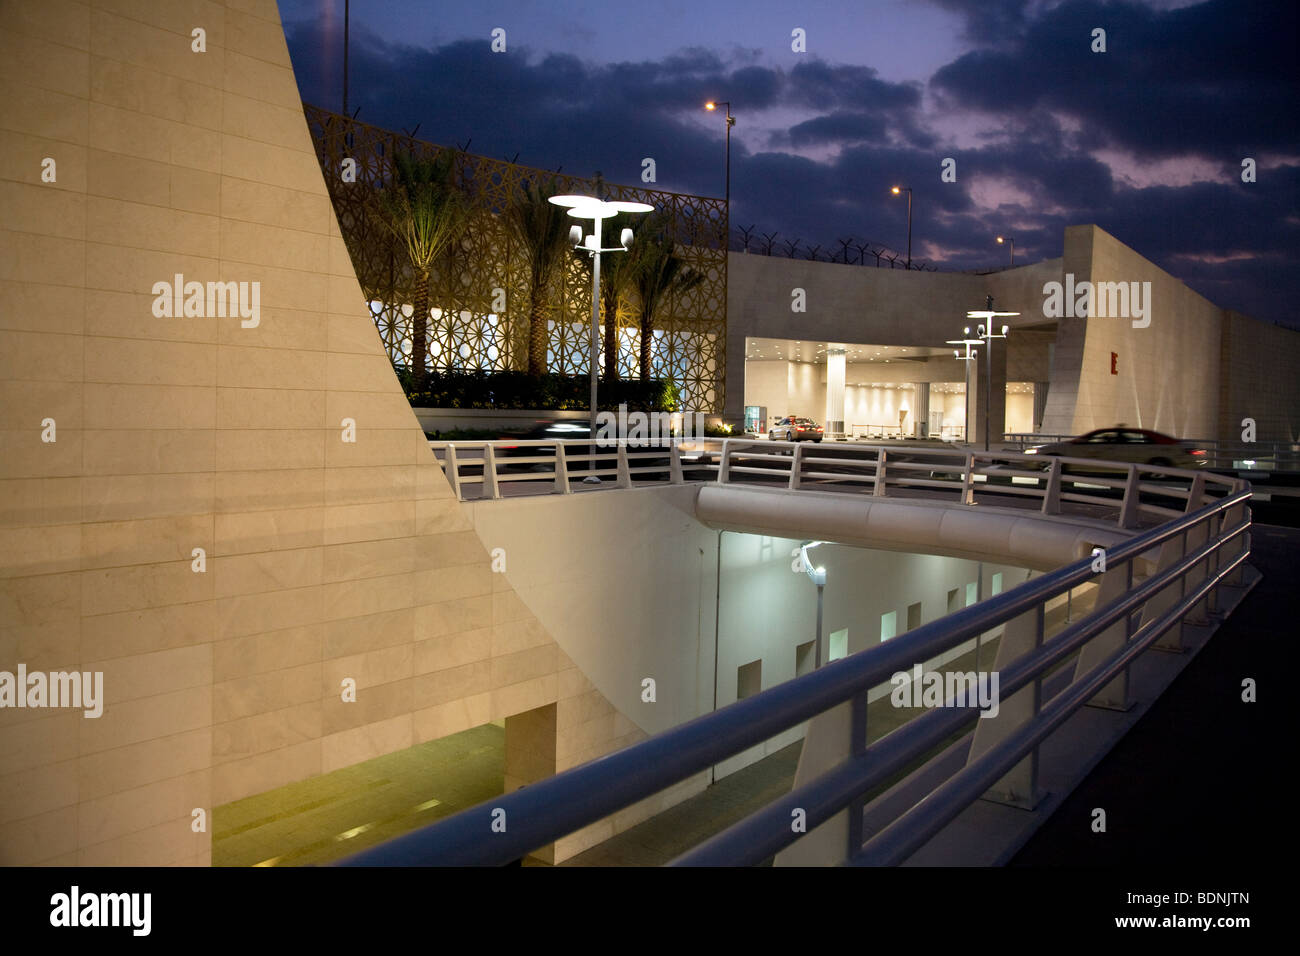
575, 430
1130, 445
791, 428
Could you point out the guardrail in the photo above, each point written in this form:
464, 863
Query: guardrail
1146, 493
1198, 554
1230, 456
560, 463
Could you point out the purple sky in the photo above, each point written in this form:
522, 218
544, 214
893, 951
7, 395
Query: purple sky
1145, 140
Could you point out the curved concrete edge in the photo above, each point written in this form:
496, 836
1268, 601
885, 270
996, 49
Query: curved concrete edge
975, 532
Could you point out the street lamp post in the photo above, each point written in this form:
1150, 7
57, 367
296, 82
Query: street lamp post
731, 121
1012, 241
597, 210
896, 190
987, 334
967, 358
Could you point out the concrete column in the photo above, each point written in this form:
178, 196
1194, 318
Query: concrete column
827, 743
1040, 405
530, 755
835, 357
1021, 635
921, 409
999, 396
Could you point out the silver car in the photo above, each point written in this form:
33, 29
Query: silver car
1129, 445
792, 428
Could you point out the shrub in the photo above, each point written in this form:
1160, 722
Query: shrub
514, 389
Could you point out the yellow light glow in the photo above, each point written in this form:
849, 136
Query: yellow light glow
1000, 240
895, 190
710, 105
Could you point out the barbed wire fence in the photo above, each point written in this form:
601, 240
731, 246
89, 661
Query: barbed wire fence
848, 250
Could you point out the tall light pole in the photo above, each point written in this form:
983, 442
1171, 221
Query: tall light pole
347, 17
896, 190
1010, 239
967, 358
597, 210
986, 333
731, 121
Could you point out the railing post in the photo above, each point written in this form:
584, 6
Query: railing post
675, 464
968, 481
1193, 540
1052, 494
1171, 552
796, 462
857, 746
1212, 564
878, 490
1234, 517
452, 470
490, 472
1114, 585
624, 472
827, 743
724, 461
1019, 788
561, 470
1196, 538
1128, 512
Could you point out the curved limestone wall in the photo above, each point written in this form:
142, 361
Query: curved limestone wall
214, 498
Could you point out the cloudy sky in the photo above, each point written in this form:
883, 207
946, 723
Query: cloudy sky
1146, 140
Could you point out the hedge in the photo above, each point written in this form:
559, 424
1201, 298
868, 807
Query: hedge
515, 389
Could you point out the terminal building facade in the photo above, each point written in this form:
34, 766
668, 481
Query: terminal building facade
1188, 368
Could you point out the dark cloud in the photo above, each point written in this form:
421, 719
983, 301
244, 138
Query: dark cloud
821, 86
840, 127
1215, 82
1216, 79
990, 22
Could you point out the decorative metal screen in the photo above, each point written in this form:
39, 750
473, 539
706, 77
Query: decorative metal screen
485, 270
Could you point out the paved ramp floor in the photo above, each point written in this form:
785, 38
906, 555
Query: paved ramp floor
1201, 779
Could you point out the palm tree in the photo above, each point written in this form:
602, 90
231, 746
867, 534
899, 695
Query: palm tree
618, 275
661, 274
542, 229
426, 212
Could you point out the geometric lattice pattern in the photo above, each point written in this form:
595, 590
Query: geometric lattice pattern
478, 293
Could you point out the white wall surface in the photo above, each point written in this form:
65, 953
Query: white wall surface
625, 582
1020, 412
766, 610
647, 607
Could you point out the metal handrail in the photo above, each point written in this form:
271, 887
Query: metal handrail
736, 460
572, 799
755, 838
